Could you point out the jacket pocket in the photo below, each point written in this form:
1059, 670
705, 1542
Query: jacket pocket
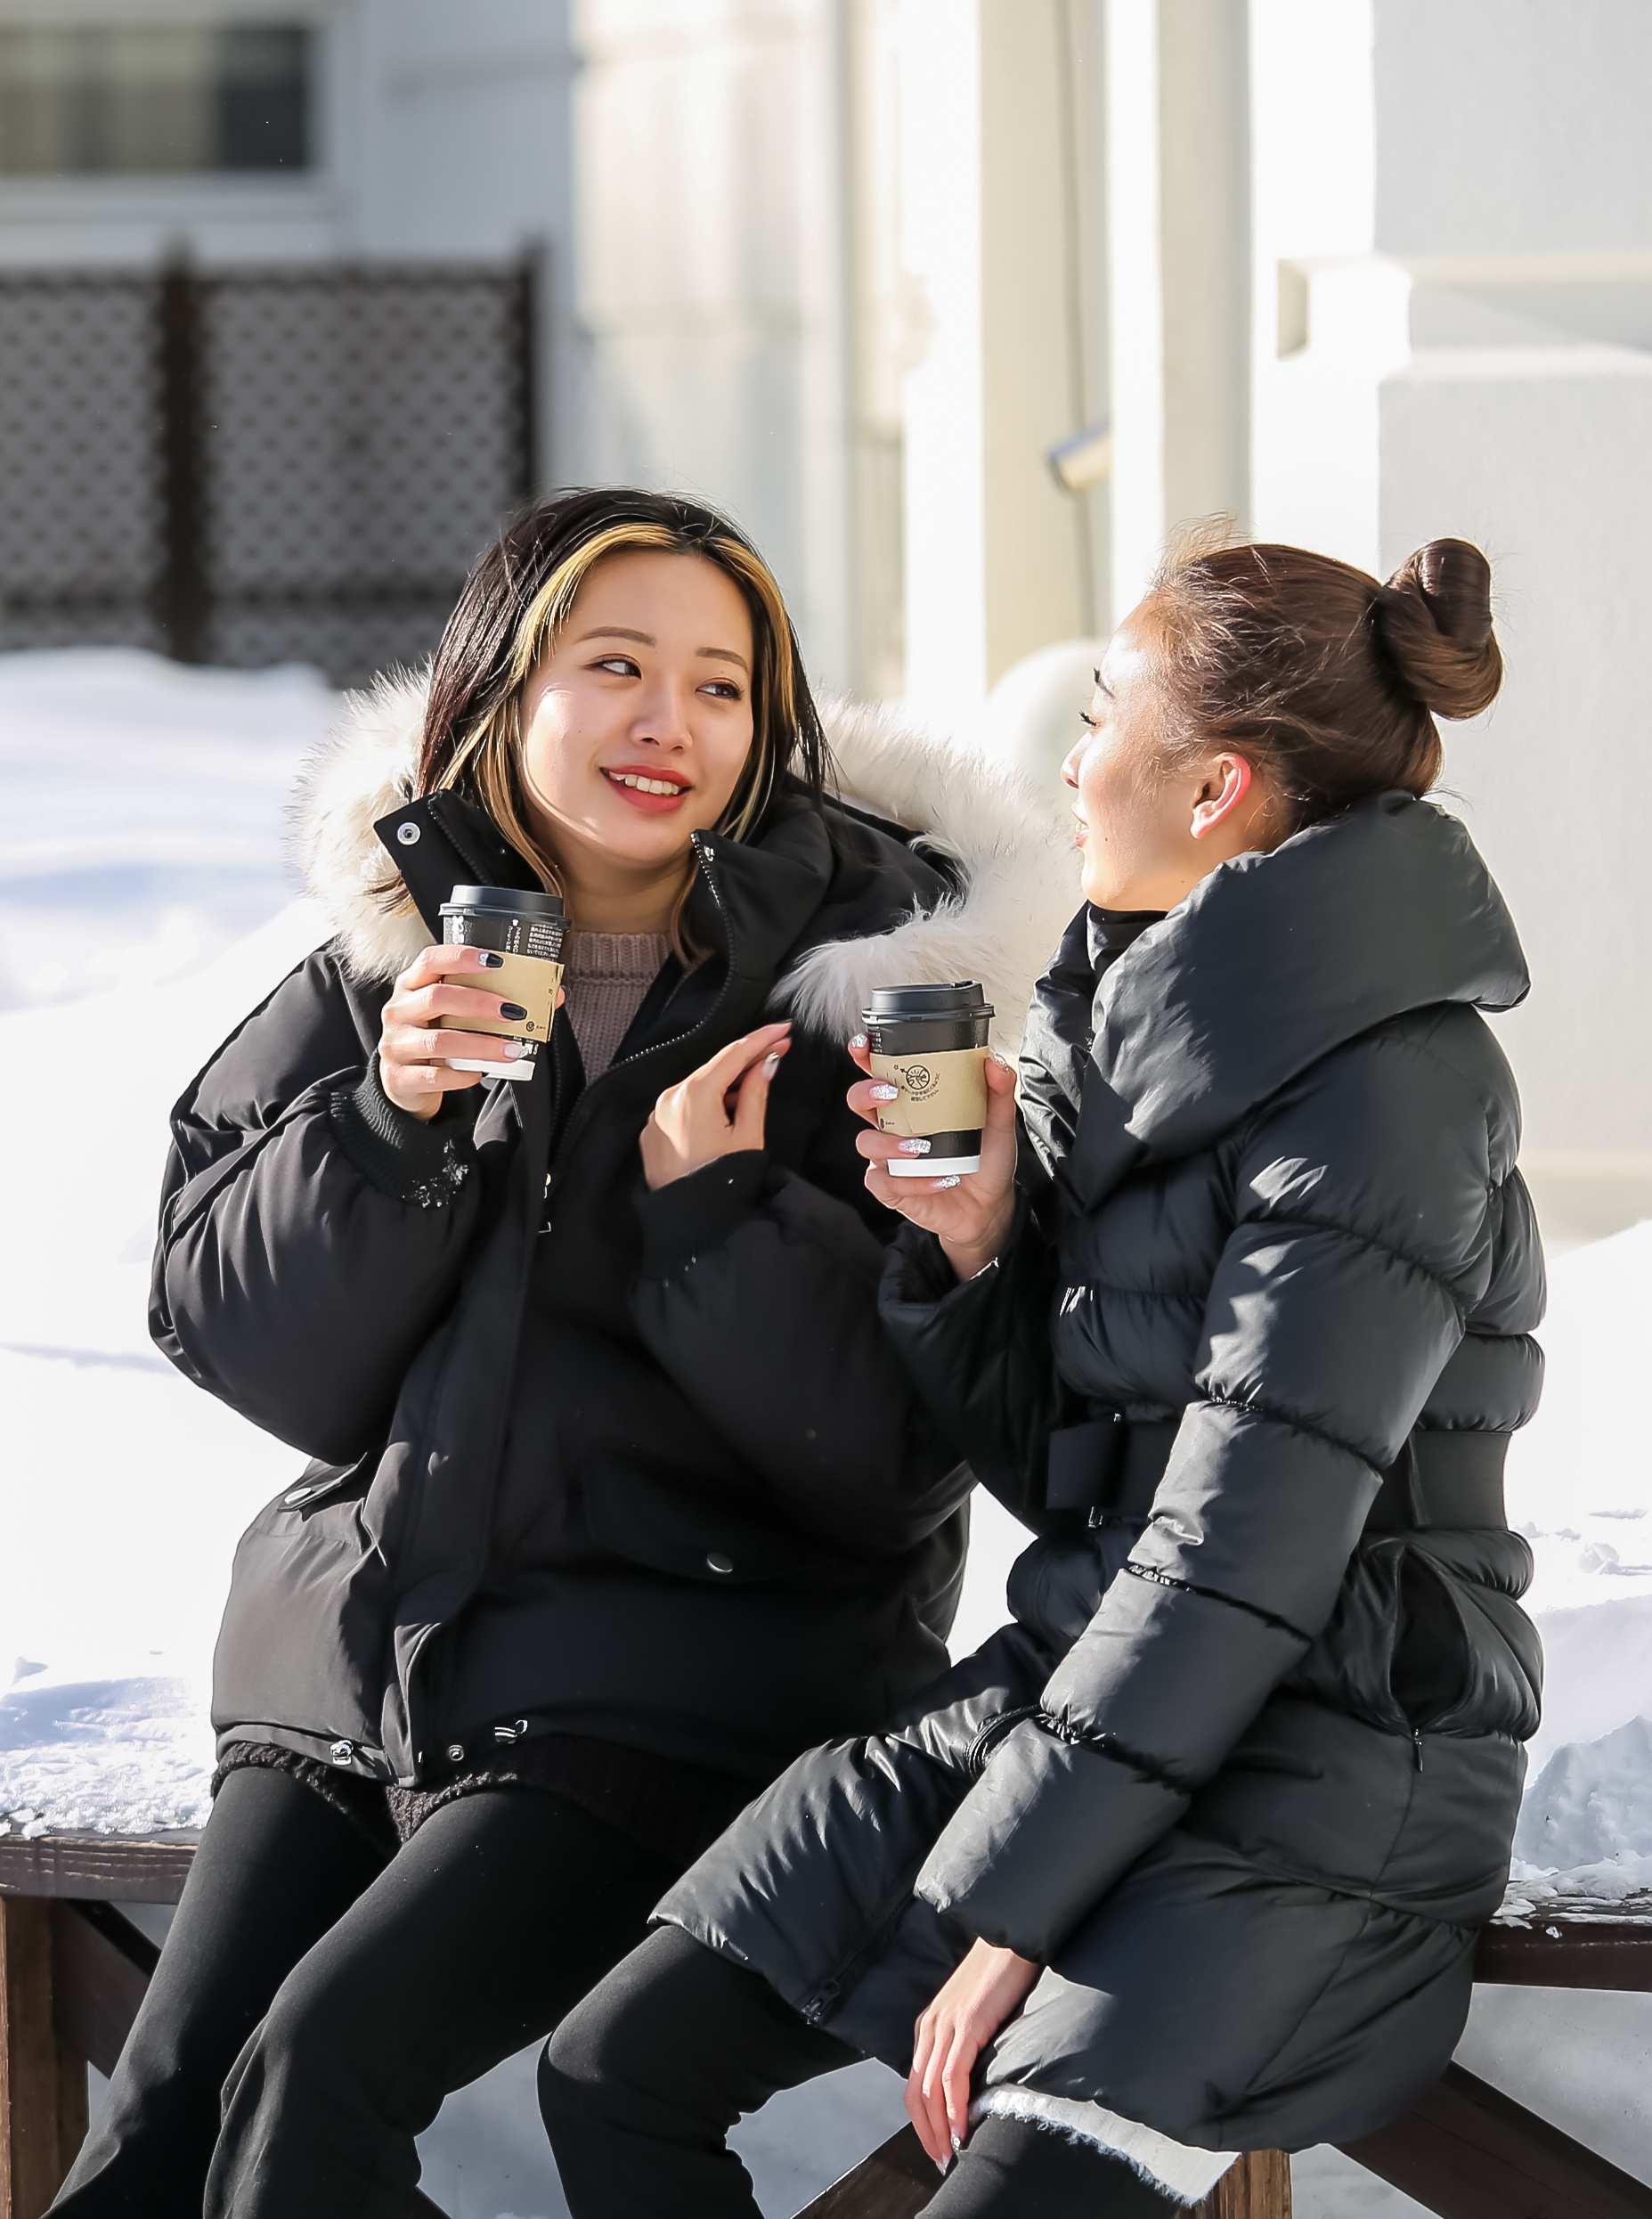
1426, 1639
656, 1518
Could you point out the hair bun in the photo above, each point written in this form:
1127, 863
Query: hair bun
1433, 621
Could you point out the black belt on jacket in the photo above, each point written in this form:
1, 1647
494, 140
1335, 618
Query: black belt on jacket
1111, 1468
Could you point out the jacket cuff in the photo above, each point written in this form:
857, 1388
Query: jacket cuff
410, 1159
1049, 1829
698, 1212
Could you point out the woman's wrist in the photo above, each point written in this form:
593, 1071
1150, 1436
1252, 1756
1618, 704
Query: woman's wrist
969, 1259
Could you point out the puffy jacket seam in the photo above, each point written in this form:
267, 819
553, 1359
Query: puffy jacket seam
1215, 1595
1192, 1296
1297, 1221
251, 1146
192, 1093
1333, 1974
1424, 1051
1270, 1416
1100, 1743
1292, 1876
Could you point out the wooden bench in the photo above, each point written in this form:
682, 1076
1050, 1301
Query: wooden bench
1466, 2151
72, 1974
73, 1971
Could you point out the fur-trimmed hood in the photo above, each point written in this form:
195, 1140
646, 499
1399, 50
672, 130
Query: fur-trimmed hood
1019, 871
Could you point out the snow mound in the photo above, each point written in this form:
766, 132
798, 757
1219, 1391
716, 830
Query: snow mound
1593, 1801
1580, 1475
113, 1756
1620, 1887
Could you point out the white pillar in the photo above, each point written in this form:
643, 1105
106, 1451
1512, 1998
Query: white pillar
1136, 297
943, 400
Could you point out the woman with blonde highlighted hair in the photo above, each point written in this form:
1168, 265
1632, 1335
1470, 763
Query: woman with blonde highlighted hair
618, 1498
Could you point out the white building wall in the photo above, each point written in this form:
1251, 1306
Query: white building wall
1453, 268
709, 276
1001, 211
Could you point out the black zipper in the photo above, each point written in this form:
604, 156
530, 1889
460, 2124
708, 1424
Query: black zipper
433, 1704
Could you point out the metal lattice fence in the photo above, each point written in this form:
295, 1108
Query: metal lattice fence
257, 466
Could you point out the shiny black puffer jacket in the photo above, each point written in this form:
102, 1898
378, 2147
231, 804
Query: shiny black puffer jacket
1243, 1776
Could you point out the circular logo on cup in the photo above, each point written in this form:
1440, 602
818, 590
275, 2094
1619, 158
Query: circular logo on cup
919, 1078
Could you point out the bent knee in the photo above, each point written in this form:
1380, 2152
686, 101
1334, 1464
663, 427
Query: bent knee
593, 2051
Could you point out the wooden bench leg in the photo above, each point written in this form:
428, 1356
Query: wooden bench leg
41, 2121
1259, 2187
1468, 2151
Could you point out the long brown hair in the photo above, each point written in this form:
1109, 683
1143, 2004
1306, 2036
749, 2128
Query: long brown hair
1326, 680
518, 599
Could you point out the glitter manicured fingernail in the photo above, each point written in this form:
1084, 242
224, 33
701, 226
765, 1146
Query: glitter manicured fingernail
856, 1039
915, 1147
882, 1093
951, 1179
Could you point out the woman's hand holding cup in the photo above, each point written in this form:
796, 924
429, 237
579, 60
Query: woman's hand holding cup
413, 1045
971, 1214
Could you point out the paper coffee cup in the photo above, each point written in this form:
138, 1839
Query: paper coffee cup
530, 931
930, 1041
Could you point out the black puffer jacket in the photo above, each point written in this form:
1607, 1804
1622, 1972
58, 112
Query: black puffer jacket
1243, 1776
587, 1458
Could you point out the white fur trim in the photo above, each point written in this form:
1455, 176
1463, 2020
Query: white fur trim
1020, 872
363, 771
1020, 875
1187, 2174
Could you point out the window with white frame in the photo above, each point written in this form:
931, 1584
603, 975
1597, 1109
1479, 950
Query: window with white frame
158, 98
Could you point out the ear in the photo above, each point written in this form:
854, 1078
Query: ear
1228, 778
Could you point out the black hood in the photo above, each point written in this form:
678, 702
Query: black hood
1271, 962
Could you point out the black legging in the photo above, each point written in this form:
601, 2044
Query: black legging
334, 1994
642, 2083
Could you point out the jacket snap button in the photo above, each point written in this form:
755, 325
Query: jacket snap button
407, 835
341, 1752
455, 1752
717, 1562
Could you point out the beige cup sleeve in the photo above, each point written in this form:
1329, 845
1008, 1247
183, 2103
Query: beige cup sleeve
529, 980
944, 1092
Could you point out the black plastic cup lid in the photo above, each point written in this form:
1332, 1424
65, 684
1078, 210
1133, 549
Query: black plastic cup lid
503, 901
963, 1000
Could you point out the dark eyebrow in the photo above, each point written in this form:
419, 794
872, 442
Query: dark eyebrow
647, 639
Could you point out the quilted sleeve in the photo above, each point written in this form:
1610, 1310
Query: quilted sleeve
1359, 1243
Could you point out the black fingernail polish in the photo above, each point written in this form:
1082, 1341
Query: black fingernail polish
489, 961
512, 1011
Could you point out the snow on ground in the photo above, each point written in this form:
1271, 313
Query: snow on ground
137, 862
143, 912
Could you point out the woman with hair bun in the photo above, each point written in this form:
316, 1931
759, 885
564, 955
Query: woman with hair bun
593, 1541
1190, 1859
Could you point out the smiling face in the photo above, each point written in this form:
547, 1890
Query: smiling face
1150, 831
637, 722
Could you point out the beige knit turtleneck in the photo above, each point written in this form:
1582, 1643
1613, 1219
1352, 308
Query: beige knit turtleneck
605, 980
